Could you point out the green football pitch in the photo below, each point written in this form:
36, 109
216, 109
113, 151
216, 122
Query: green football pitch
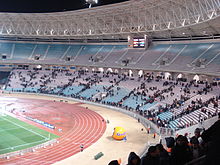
17, 135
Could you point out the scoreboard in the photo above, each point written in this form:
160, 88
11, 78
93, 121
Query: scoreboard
138, 43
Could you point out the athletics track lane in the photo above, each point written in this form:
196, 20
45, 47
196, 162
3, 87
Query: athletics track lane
87, 128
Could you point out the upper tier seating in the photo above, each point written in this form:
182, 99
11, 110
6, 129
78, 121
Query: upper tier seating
200, 57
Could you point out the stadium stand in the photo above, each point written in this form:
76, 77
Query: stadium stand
172, 82
199, 57
168, 103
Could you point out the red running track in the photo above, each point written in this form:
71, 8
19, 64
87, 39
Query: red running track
80, 126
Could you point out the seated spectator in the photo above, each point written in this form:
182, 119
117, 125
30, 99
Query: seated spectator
114, 162
197, 133
181, 152
152, 157
133, 159
196, 148
163, 154
170, 142
212, 137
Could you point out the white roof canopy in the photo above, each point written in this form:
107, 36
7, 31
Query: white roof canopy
156, 18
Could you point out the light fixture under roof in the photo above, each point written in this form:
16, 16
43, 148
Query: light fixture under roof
91, 2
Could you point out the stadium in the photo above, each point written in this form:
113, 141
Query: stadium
103, 82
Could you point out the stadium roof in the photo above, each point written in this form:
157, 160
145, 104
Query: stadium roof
155, 18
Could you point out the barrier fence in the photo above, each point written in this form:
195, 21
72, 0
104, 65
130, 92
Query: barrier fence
31, 149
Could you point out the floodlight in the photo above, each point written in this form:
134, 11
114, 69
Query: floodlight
91, 2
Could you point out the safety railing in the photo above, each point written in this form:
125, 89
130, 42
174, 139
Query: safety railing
31, 149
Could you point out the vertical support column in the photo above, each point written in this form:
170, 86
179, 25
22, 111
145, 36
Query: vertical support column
147, 42
130, 41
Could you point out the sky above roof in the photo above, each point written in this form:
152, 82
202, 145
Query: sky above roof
32, 6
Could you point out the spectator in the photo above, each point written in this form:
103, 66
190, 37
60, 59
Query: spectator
197, 133
81, 147
133, 159
163, 154
154, 135
152, 157
212, 137
170, 142
196, 149
181, 152
148, 129
114, 162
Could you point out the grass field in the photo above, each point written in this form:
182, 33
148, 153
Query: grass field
17, 135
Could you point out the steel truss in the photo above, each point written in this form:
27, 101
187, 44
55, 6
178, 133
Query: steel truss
156, 18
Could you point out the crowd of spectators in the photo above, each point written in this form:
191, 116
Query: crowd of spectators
175, 96
182, 149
